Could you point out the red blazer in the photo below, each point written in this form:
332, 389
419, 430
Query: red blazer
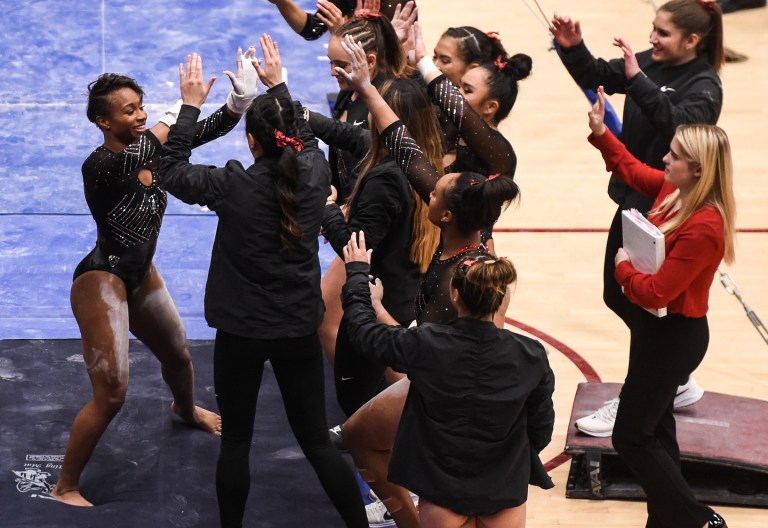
693, 251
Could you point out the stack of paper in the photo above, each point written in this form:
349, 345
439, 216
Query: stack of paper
644, 244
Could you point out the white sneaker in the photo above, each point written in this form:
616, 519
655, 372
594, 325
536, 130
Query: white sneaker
600, 423
688, 394
378, 516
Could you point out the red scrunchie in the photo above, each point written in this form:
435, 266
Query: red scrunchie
493, 176
709, 5
494, 35
500, 64
369, 15
283, 141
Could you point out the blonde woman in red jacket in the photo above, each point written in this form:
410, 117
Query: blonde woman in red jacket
694, 208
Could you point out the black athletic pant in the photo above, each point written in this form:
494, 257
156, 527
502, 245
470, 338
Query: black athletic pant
357, 378
298, 367
663, 353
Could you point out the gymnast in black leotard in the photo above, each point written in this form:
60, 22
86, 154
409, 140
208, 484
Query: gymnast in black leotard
459, 204
116, 287
128, 213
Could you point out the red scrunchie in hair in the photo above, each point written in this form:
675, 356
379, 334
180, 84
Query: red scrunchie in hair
500, 64
493, 176
494, 35
283, 141
709, 5
369, 15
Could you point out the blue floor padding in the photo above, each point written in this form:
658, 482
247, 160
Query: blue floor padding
40, 252
51, 51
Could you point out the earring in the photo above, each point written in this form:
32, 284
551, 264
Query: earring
109, 127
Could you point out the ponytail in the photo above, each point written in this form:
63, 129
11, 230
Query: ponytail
274, 127
482, 282
477, 202
503, 74
704, 18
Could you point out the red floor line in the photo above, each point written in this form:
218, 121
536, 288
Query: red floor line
582, 364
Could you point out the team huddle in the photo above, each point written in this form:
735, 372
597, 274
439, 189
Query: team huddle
447, 411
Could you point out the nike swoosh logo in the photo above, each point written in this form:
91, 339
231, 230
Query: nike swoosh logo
667, 89
347, 379
358, 123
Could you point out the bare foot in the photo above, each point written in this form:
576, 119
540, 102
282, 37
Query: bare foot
202, 418
71, 497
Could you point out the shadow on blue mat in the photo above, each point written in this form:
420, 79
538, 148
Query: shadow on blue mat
149, 470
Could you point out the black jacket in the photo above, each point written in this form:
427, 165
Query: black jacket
659, 99
254, 288
478, 411
383, 209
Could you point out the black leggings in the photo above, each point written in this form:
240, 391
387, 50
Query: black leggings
663, 353
358, 379
298, 367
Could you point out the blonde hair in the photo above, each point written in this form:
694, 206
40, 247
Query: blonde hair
482, 282
707, 147
409, 101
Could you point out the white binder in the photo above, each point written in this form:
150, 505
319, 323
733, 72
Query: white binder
644, 244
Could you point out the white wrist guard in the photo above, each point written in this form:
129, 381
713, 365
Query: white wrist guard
239, 103
426, 66
172, 114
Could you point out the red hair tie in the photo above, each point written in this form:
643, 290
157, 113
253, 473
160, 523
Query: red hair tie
283, 141
369, 15
500, 64
494, 35
709, 5
469, 262
493, 176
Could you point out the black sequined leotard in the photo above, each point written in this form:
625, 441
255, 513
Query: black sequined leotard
433, 303
128, 214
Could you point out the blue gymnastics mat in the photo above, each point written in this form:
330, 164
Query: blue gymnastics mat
51, 51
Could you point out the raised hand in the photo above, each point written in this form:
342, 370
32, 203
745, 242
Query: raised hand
355, 250
365, 7
403, 19
597, 114
194, 91
330, 15
270, 70
360, 77
419, 49
244, 82
631, 68
567, 32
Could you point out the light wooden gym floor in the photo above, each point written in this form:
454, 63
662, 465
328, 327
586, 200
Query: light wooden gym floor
556, 236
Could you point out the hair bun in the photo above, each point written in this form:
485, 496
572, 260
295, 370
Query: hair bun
519, 66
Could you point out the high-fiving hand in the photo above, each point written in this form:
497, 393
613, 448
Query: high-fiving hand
244, 81
597, 114
194, 91
270, 70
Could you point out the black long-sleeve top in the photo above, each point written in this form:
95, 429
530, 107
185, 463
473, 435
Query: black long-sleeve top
660, 99
478, 411
343, 157
314, 29
486, 151
128, 213
383, 209
254, 288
